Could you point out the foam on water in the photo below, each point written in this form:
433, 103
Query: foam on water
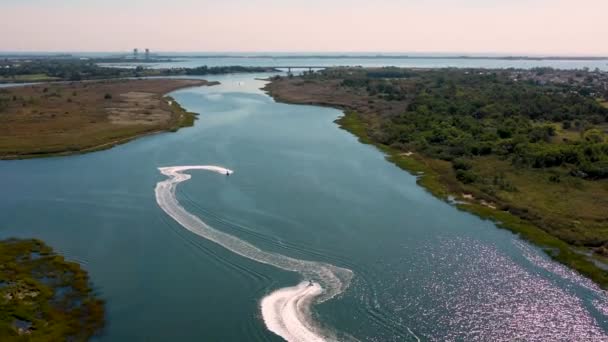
287, 311
292, 305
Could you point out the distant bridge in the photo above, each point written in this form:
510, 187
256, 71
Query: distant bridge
309, 67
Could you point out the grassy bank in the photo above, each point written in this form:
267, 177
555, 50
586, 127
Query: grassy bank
182, 117
437, 177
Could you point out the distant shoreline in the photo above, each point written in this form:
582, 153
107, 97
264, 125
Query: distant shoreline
174, 58
506, 58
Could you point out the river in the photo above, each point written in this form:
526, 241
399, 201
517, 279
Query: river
304, 190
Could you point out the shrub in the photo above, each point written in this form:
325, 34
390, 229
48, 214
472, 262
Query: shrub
461, 164
467, 177
555, 179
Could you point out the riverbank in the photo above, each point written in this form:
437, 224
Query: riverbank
439, 176
55, 119
436, 182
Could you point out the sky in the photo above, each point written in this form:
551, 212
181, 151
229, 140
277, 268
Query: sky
534, 27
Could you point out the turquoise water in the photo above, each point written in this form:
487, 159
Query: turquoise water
302, 188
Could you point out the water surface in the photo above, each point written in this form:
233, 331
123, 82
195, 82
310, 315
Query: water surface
301, 188
191, 60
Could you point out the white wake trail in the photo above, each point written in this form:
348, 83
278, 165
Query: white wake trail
287, 311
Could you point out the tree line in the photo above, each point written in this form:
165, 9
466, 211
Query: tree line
459, 114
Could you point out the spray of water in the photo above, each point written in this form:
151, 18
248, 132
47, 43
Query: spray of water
286, 311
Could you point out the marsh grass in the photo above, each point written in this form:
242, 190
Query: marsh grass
43, 296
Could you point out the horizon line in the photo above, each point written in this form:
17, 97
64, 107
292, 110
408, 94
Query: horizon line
344, 53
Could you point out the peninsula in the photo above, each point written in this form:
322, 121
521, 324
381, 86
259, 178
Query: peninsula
75, 117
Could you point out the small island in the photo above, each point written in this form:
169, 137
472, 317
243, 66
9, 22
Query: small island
44, 297
75, 117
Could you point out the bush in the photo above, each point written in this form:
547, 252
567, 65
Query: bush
467, 177
594, 135
597, 170
108, 96
555, 179
461, 164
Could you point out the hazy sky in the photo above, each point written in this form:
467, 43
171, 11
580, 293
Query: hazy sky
574, 27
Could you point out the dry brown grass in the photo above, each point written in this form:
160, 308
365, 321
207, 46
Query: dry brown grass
330, 93
70, 117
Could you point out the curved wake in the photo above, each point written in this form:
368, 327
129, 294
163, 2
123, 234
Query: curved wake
287, 311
